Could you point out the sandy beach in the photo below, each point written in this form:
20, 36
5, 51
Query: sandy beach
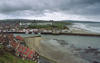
59, 50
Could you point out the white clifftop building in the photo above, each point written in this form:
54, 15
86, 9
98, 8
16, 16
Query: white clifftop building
22, 24
45, 23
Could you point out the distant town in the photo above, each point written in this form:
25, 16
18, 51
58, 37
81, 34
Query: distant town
16, 44
32, 26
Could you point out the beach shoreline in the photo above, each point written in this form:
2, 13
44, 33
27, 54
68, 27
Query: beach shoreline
84, 28
79, 30
54, 49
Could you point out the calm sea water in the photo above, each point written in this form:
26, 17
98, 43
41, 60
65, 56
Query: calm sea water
78, 41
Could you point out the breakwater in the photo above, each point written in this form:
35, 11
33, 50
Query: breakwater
67, 33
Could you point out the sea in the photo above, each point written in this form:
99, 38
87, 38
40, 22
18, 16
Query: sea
90, 26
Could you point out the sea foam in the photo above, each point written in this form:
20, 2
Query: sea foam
88, 26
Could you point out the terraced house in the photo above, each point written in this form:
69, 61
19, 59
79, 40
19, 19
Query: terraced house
20, 50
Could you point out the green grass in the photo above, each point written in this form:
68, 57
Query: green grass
8, 58
62, 23
59, 27
1, 46
38, 26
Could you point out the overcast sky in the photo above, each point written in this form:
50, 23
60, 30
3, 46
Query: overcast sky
50, 9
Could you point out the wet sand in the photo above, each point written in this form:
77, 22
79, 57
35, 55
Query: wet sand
61, 51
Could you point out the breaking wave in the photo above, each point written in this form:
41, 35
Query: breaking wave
93, 27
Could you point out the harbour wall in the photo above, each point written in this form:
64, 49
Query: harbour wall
50, 33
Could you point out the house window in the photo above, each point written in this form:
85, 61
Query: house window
37, 56
33, 58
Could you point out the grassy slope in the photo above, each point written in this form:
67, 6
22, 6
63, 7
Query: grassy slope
8, 58
62, 23
48, 26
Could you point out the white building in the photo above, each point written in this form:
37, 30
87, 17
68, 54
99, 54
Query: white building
23, 24
65, 30
44, 23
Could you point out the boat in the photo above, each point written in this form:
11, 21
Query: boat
26, 32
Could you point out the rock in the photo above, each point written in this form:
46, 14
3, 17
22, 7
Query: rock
95, 62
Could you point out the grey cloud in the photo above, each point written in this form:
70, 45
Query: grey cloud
82, 7
17, 5
38, 7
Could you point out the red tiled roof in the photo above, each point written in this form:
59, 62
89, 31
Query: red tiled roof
19, 38
31, 54
15, 45
20, 46
1, 37
11, 43
23, 48
27, 51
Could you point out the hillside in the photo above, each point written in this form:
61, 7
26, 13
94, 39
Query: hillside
50, 27
7, 57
